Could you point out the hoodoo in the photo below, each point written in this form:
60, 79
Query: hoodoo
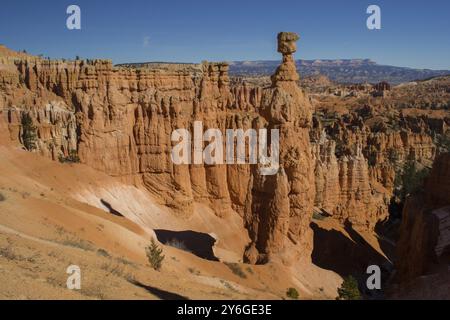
280, 213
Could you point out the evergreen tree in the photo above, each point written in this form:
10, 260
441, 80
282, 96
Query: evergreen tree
29, 135
154, 255
349, 289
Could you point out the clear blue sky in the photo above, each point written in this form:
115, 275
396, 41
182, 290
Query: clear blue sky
414, 33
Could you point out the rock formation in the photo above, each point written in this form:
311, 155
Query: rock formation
119, 121
358, 156
344, 189
280, 214
425, 230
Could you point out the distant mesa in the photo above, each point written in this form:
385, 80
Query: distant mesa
339, 70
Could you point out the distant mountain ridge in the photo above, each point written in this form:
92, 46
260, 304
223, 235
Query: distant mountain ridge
339, 70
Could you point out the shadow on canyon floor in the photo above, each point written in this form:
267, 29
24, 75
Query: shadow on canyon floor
387, 233
343, 255
200, 244
161, 294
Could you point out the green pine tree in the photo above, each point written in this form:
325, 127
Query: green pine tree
154, 255
349, 289
409, 180
29, 135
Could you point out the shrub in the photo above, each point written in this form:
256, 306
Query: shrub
194, 271
236, 268
371, 155
2, 197
393, 156
349, 289
29, 135
409, 180
318, 216
71, 158
154, 255
340, 149
124, 261
103, 252
8, 253
372, 159
442, 142
78, 243
249, 270
114, 269
292, 293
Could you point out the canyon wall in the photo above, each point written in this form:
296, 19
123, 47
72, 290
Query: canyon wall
358, 156
425, 230
120, 120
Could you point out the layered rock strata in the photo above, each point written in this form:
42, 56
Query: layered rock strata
119, 121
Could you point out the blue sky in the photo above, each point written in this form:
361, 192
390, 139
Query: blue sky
414, 33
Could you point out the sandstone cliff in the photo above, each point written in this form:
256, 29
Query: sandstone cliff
119, 121
359, 153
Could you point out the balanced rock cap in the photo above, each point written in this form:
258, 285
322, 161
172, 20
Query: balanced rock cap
287, 42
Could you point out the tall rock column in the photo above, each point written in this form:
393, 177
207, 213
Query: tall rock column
282, 204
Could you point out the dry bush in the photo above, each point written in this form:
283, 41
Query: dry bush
236, 268
78, 243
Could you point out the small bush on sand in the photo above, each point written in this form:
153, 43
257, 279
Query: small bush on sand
2, 197
292, 293
114, 269
318, 216
71, 158
154, 255
78, 243
103, 252
349, 289
236, 268
126, 262
8, 253
194, 271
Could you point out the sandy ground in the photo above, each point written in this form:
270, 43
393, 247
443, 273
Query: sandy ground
51, 217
